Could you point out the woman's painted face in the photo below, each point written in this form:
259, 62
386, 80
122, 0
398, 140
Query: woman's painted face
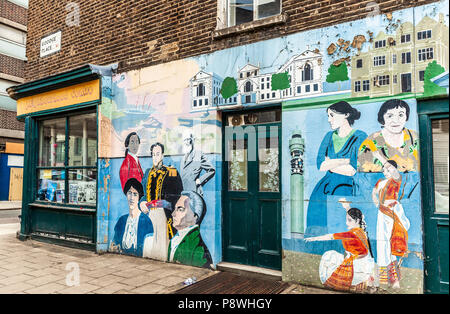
395, 120
351, 223
390, 171
132, 197
133, 145
336, 120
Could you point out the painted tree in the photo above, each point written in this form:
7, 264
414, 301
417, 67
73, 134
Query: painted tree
280, 81
337, 73
229, 87
429, 88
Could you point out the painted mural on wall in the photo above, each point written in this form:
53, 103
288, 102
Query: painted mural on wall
354, 171
366, 164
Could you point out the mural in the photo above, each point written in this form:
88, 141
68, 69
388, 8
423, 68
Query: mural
381, 167
349, 123
337, 157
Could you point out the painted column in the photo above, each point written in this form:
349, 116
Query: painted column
297, 149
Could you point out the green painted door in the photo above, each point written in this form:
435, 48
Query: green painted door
251, 203
434, 136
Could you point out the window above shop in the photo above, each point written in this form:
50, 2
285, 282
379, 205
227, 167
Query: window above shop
235, 16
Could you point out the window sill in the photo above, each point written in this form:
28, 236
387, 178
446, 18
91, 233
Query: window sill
245, 27
49, 205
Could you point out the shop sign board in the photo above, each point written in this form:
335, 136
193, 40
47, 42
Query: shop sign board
63, 97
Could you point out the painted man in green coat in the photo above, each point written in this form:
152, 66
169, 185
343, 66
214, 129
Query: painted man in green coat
187, 246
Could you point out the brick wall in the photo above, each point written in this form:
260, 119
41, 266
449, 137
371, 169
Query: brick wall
140, 33
8, 121
12, 66
13, 12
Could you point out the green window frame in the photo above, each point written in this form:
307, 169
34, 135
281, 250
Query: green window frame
67, 175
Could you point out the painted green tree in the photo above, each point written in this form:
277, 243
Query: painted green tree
229, 87
337, 73
429, 88
280, 81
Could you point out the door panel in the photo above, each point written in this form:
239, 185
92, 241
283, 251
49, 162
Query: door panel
434, 141
252, 198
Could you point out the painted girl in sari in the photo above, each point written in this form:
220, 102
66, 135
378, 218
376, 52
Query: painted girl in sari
392, 224
356, 271
337, 157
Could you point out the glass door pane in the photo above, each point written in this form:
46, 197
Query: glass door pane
269, 168
440, 164
52, 138
237, 165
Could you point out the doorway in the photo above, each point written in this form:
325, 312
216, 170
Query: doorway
252, 189
434, 141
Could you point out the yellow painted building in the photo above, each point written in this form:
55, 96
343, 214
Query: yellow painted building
396, 64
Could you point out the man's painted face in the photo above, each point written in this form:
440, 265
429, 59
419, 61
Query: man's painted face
395, 120
133, 145
183, 216
157, 155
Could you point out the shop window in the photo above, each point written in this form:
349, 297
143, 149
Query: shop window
67, 165
243, 11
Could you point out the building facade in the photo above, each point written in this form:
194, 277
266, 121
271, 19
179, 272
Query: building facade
239, 133
13, 34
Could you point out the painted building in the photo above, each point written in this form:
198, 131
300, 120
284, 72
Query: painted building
196, 165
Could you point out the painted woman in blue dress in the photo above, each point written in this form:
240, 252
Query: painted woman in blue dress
338, 158
132, 229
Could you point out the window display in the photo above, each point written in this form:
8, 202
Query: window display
67, 165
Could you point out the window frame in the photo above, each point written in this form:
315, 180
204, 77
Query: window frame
255, 12
66, 168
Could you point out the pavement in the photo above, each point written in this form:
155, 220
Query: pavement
33, 267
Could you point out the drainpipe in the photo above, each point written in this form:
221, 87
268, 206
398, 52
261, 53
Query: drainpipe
297, 149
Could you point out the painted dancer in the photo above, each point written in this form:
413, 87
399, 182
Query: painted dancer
392, 224
356, 271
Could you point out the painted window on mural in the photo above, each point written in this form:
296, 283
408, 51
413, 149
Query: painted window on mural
379, 60
424, 34
67, 165
380, 43
440, 164
406, 38
406, 57
243, 11
425, 54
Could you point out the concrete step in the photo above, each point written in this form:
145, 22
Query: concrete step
250, 271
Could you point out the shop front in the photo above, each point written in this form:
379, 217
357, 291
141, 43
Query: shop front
287, 154
60, 168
